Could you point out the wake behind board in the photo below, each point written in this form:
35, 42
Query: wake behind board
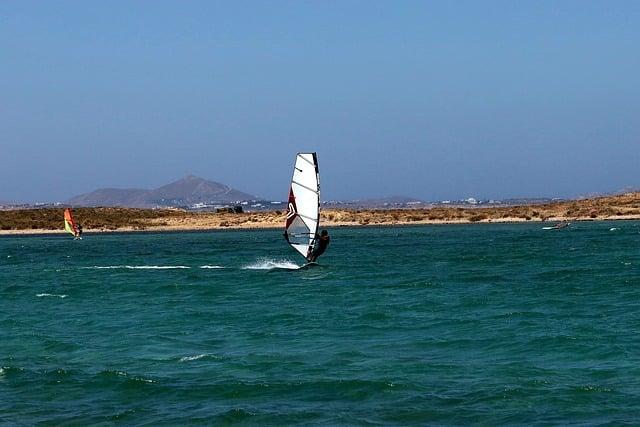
560, 226
295, 268
309, 265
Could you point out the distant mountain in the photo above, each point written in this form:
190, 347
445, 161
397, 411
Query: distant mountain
185, 192
197, 190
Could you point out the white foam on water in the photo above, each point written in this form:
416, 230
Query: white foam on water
135, 378
138, 267
211, 266
614, 229
51, 295
190, 358
199, 356
270, 264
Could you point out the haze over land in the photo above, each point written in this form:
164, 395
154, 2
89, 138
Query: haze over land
187, 191
195, 193
431, 100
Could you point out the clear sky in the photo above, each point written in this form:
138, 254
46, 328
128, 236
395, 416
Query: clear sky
436, 100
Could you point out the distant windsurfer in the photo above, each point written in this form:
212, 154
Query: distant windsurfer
561, 224
322, 241
78, 231
70, 225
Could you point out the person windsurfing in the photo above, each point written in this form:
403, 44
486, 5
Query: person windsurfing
561, 224
321, 243
78, 231
70, 225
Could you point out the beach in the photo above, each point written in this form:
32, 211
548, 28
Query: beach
96, 220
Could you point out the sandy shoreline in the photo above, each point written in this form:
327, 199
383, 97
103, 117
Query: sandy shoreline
187, 227
105, 220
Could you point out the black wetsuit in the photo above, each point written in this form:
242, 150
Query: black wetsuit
321, 246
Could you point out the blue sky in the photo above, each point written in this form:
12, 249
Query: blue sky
436, 100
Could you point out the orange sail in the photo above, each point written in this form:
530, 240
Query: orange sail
69, 223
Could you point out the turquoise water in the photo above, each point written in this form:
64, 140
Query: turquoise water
448, 325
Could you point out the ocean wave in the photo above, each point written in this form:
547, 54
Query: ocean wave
8, 370
269, 264
190, 358
52, 295
122, 374
138, 267
199, 356
211, 266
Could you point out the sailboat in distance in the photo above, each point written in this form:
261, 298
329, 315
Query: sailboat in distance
70, 225
303, 211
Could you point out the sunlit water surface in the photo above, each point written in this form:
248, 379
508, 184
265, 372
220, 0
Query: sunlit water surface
467, 324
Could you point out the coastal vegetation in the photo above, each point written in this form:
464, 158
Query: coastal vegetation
625, 206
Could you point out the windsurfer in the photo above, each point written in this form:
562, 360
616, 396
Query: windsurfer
79, 231
322, 241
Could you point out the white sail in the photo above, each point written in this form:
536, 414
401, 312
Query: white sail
303, 213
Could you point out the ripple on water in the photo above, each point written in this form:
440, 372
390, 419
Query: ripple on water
453, 325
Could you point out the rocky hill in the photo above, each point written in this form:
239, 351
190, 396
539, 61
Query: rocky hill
188, 191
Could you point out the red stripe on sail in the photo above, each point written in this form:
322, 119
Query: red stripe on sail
292, 209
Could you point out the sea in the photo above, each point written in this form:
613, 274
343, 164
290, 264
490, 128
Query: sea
484, 324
